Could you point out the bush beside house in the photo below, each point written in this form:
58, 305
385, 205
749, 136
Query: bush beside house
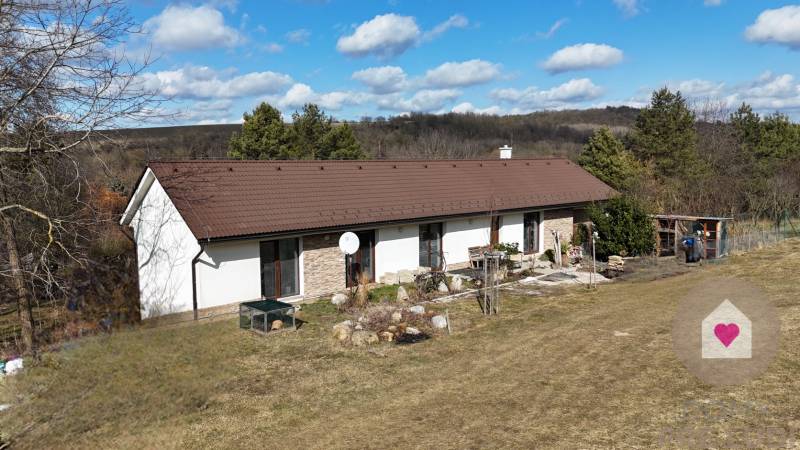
623, 227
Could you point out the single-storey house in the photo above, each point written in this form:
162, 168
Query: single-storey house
211, 233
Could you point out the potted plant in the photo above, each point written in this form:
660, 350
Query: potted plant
511, 250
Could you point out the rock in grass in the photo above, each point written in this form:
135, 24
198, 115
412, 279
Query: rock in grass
439, 322
417, 309
397, 317
339, 299
361, 338
387, 336
343, 330
402, 295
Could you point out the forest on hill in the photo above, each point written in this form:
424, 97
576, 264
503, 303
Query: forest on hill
543, 133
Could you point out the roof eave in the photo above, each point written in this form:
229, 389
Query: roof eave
369, 225
140, 190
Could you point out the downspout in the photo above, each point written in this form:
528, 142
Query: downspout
194, 279
194, 276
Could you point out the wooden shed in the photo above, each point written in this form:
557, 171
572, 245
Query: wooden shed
672, 228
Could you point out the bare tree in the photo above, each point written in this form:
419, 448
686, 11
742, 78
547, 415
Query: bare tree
63, 78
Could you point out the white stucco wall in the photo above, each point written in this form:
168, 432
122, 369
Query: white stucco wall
165, 248
512, 229
461, 234
228, 272
396, 248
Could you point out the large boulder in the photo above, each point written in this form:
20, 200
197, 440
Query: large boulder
402, 295
405, 276
387, 336
396, 317
361, 338
343, 330
339, 299
439, 322
417, 309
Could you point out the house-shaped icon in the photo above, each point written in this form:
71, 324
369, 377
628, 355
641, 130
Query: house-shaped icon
726, 333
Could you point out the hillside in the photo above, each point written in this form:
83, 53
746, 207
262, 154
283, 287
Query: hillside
583, 369
416, 136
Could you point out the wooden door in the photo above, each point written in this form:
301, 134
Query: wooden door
495, 230
363, 260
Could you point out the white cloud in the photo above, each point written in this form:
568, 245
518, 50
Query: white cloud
712, 2
385, 36
183, 27
573, 91
467, 107
205, 82
206, 112
389, 35
553, 29
426, 100
300, 36
629, 8
698, 88
781, 26
230, 5
382, 80
455, 21
300, 94
768, 92
273, 47
467, 73
583, 56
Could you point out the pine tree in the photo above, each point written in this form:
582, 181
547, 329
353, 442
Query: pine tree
312, 135
264, 136
664, 134
605, 157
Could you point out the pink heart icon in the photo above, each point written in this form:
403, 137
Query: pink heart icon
726, 333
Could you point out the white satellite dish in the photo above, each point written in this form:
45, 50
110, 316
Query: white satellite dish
349, 243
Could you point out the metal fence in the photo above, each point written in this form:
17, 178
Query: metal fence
746, 240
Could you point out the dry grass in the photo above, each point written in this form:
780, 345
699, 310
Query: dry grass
548, 372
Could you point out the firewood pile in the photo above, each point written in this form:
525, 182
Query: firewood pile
615, 266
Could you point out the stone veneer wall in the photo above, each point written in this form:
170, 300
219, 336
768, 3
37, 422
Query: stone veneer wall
323, 265
557, 219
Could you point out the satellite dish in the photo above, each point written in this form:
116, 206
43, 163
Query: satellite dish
349, 243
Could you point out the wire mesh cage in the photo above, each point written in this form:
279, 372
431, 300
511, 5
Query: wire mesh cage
267, 316
491, 282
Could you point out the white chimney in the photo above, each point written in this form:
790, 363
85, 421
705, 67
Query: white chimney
505, 152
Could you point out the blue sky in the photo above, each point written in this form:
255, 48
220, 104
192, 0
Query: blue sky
217, 59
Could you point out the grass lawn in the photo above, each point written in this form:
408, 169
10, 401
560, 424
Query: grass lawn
548, 372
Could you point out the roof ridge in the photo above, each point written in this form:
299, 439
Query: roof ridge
354, 161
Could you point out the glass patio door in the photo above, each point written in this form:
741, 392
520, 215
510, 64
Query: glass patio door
361, 263
430, 245
280, 272
531, 233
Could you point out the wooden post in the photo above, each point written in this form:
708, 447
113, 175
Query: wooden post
675, 238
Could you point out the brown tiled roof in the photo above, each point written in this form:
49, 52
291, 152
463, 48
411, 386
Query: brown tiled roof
236, 198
